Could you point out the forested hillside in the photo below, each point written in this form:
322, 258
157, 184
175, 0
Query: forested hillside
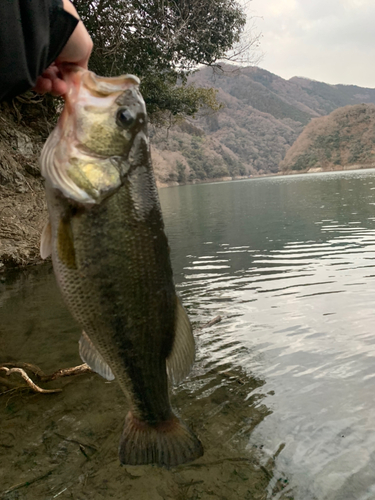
343, 139
262, 116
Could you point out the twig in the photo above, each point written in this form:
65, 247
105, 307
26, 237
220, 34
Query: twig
76, 442
20, 368
28, 380
217, 319
15, 389
26, 366
63, 372
27, 483
67, 372
249, 461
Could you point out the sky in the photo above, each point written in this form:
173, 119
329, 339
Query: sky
332, 41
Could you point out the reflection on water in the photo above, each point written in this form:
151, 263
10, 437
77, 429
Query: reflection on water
287, 377
289, 262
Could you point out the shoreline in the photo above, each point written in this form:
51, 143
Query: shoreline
319, 170
23, 214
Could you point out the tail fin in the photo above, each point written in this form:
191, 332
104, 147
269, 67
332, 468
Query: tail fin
167, 444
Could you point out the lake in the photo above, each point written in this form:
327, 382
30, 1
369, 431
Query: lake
282, 390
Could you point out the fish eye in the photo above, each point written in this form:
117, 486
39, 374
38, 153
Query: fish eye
124, 118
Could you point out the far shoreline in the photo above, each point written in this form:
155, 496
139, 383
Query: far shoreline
319, 170
20, 248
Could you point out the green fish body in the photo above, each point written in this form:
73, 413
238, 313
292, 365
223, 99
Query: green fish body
111, 260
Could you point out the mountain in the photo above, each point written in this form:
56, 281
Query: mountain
262, 116
343, 139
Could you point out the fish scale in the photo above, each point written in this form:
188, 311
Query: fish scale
111, 259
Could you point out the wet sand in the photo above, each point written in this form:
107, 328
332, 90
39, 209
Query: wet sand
64, 445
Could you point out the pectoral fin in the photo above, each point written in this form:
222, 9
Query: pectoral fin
183, 351
46, 241
93, 358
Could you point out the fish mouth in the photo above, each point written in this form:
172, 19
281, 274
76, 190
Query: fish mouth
88, 91
102, 85
78, 78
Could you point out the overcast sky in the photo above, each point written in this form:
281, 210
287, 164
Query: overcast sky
332, 41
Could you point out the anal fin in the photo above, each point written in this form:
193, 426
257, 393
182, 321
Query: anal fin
90, 355
182, 357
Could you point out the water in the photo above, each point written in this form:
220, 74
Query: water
287, 378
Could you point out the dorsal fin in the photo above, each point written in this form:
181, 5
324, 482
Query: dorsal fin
182, 357
90, 355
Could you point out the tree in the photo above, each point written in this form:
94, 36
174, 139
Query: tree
162, 42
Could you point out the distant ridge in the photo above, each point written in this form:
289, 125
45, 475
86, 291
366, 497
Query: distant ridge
343, 139
263, 116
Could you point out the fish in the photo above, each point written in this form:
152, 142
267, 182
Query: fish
111, 260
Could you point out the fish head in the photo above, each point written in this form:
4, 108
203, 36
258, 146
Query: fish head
86, 155
102, 115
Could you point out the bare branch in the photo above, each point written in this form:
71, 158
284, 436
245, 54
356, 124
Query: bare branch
28, 380
20, 368
68, 372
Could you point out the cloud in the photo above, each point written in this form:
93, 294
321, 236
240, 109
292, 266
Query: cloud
320, 9
327, 40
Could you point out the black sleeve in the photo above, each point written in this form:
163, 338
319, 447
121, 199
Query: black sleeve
32, 35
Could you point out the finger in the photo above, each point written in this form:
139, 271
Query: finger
43, 85
59, 87
51, 72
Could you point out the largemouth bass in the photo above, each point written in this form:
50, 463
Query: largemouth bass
111, 260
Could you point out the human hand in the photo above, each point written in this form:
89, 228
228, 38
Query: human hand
51, 81
76, 51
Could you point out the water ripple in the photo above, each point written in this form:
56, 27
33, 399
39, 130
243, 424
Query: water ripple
289, 268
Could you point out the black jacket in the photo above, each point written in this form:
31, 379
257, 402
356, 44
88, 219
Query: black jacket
32, 35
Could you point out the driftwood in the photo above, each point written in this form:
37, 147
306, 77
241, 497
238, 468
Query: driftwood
22, 368
27, 379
